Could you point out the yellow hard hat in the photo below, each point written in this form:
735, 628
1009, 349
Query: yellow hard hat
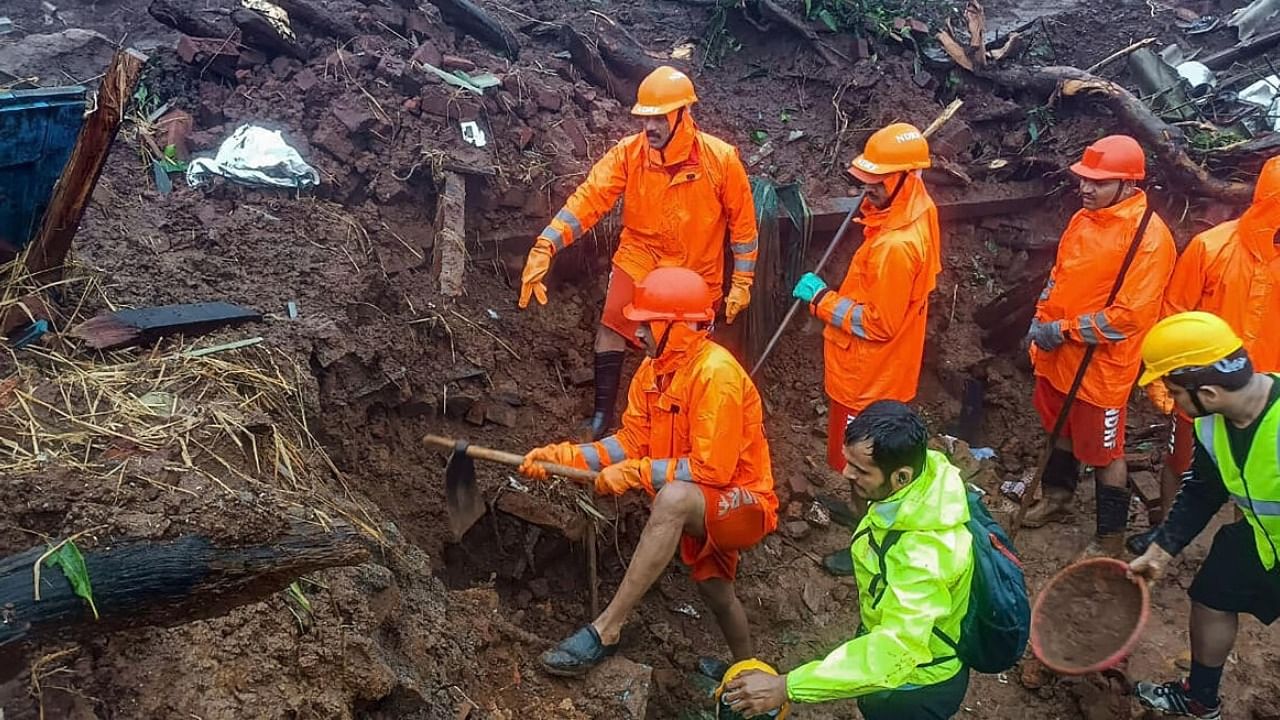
724, 712
1186, 340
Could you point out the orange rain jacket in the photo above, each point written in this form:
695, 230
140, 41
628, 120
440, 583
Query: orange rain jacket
693, 415
676, 206
1090, 253
874, 339
1233, 271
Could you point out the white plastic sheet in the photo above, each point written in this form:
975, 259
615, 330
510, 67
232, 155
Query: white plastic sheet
255, 156
1265, 94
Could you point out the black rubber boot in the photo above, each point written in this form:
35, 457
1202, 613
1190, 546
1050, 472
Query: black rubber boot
1062, 470
608, 376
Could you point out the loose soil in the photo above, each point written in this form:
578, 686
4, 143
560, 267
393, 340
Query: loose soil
431, 628
1088, 616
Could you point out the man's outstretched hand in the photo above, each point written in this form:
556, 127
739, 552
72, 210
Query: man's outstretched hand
1151, 565
755, 693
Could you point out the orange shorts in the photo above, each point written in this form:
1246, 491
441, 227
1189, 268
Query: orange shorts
1181, 444
838, 418
621, 289
1096, 434
735, 520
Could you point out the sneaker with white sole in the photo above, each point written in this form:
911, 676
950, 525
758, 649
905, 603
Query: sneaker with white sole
1172, 698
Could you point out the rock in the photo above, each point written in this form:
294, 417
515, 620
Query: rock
476, 414
218, 56
456, 406
818, 515
952, 140
433, 103
454, 62
427, 54
391, 68
411, 105
796, 529
501, 414
418, 23
548, 99
543, 513
582, 376
801, 488
624, 682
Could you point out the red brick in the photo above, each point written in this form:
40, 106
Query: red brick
524, 137
548, 99
454, 62
577, 136
353, 115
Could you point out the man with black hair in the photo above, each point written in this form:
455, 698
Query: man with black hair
913, 561
1204, 366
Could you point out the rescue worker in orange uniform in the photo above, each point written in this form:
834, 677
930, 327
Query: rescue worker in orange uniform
873, 342
1233, 271
682, 192
692, 437
1073, 314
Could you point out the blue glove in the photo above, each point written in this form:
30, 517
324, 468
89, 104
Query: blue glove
1046, 336
809, 286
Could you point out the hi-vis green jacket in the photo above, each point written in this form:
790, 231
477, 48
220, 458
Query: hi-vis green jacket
924, 584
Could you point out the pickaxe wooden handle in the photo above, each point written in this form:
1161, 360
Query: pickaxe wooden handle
483, 453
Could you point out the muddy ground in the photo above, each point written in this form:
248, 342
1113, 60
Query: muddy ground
431, 628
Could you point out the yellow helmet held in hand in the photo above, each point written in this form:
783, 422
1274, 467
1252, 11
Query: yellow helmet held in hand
724, 712
1186, 340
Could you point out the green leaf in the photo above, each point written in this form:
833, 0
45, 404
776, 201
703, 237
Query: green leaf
71, 562
828, 19
759, 137
808, 8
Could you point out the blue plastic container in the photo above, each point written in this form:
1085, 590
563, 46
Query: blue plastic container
38, 129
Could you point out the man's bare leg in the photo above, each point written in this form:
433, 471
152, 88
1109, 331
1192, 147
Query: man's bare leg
730, 616
677, 509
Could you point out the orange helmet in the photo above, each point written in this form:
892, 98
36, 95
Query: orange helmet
894, 148
664, 90
670, 293
1114, 157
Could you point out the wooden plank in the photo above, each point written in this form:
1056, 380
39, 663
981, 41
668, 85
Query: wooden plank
71, 195
970, 205
451, 223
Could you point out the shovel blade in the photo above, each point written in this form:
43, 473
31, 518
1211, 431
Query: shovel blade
463, 502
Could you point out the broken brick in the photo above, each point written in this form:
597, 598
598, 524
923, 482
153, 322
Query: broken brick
801, 488
524, 137
427, 54
218, 55
454, 62
536, 511
582, 376
355, 118
584, 97
177, 126
332, 137
410, 105
577, 136
434, 104
548, 99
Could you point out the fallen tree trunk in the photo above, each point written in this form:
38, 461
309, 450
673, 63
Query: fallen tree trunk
771, 10
474, 21
1167, 141
258, 31
176, 14
326, 22
161, 584
609, 59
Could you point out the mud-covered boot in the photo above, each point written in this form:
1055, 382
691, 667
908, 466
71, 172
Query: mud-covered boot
1111, 546
1053, 506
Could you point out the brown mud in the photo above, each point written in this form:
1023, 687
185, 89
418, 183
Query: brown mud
435, 629
1089, 615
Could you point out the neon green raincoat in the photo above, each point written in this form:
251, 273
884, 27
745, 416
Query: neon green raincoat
924, 584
